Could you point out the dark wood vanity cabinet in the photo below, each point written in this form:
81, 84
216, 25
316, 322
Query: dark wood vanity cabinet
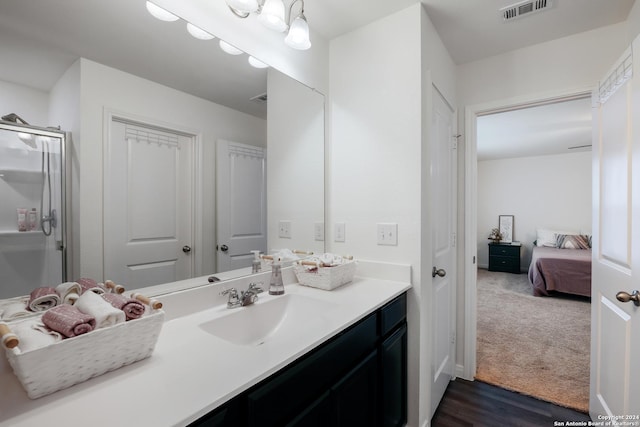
357, 378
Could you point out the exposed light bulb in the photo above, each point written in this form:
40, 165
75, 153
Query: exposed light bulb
198, 32
257, 64
298, 37
231, 50
245, 6
272, 15
160, 13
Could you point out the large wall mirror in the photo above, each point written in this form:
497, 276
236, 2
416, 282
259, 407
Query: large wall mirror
239, 148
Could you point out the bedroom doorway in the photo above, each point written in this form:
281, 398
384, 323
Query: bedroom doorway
499, 165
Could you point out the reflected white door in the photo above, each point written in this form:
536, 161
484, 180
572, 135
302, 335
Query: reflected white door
147, 206
443, 210
241, 203
615, 325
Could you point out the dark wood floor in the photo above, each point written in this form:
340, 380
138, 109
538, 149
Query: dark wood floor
474, 403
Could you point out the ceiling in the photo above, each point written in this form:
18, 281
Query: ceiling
121, 34
559, 128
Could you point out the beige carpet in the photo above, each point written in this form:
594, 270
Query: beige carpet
537, 346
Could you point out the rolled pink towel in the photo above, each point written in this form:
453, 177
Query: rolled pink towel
133, 309
91, 285
68, 320
42, 299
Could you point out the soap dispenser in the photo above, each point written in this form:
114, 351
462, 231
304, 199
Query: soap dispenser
256, 265
276, 287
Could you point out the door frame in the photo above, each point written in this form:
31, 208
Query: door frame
196, 162
470, 264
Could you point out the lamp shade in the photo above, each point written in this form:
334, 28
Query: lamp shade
298, 36
231, 50
198, 32
256, 63
246, 6
160, 13
272, 15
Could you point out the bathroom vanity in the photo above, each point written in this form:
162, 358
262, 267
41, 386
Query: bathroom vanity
335, 358
357, 378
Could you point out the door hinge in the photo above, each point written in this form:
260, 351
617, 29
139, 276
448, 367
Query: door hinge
453, 337
454, 239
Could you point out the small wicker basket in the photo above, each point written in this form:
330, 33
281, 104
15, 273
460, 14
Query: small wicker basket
73, 360
326, 278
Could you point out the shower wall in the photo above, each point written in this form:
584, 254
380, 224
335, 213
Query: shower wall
28, 259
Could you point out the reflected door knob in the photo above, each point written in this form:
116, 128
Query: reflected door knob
224, 248
186, 249
623, 296
438, 272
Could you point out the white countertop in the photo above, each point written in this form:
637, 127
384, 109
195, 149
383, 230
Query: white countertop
190, 372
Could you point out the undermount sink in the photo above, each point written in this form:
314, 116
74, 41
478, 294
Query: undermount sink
281, 316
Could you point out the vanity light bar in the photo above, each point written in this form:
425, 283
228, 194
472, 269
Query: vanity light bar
197, 32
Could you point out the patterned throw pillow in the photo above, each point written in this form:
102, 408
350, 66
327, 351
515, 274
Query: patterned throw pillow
572, 241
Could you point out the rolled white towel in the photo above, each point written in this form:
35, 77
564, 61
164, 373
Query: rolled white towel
43, 298
104, 313
69, 292
33, 334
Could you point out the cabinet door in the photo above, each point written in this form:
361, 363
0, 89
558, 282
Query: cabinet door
318, 414
231, 414
355, 396
393, 368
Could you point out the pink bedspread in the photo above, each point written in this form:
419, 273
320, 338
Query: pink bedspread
560, 270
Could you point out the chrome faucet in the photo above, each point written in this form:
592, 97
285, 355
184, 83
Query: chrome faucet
245, 298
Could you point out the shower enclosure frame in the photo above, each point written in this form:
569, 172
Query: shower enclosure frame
61, 244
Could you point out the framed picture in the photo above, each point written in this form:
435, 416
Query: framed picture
505, 224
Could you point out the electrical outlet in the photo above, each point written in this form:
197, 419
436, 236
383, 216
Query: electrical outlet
318, 231
339, 232
284, 229
388, 234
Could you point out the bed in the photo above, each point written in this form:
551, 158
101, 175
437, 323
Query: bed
560, 270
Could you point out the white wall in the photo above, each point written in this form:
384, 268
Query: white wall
552, 192
559, 67
295, 167
28, 103
378, 158
104, 88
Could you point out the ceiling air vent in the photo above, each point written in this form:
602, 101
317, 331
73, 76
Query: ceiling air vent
260, 99
524, 8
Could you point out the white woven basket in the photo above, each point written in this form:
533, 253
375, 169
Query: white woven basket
73, 360
326, 278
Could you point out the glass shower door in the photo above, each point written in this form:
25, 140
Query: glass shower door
32, 234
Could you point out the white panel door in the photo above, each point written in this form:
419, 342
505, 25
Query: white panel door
147, 206
615, 325
241, 203
443, 211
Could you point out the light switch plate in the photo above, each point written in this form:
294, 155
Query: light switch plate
284, 229
387, 234
339, 232
318, 231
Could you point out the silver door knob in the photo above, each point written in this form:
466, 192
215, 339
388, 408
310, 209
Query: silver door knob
623, 296
438, 272
224, 248
186, 249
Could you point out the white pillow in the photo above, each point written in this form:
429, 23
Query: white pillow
546, 237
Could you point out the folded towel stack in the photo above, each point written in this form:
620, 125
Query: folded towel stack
91, 285
132, 308
33, 334
68, 320
69, 292
42, 299
104, 313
